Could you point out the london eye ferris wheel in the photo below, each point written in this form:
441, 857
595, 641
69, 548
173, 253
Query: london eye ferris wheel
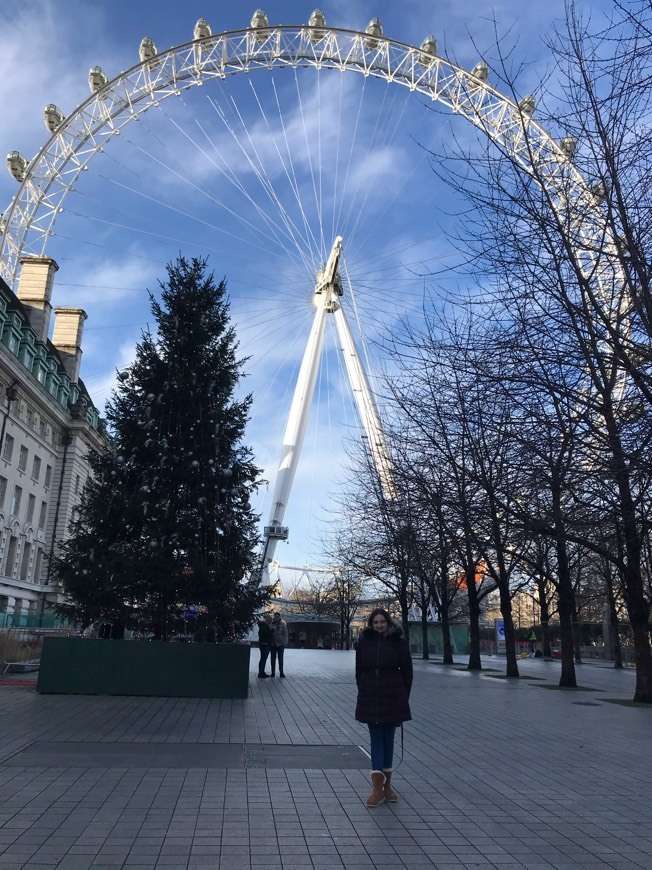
298, 159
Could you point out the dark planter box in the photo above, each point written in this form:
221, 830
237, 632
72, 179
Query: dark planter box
81, 666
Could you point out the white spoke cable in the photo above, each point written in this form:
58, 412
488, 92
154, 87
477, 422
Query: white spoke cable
182, 176
371, 147
247, 241
390, 136
319, 157
230, 176
320, 251
348, 163
337, 165
361, 333
266, 184
290, 172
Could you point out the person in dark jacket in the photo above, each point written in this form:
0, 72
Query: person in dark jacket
265, 638
279, 642
383, 674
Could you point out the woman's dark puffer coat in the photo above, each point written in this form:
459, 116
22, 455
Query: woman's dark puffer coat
383, 672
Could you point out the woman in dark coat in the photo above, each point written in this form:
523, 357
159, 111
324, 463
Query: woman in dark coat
265, 638
383, 673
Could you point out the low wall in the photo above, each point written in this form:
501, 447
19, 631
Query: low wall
81, 666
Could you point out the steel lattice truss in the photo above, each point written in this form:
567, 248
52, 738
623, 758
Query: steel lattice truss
53, 172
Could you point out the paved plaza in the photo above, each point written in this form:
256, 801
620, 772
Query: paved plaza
495, 774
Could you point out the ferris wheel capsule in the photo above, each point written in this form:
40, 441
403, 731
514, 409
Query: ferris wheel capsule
599, 191
318, 22
97, 79
202, 29
260, 23
527, 105
427, 51
147, 49
374, 31
568, 145
481, 71
53, 117
17, 165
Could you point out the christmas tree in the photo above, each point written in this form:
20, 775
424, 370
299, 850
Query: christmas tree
165, 529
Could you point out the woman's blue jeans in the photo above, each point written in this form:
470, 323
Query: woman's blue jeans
382, 746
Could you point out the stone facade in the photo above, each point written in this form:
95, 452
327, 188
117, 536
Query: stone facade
48, 425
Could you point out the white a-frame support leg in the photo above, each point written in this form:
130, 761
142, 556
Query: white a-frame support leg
328, 291
367, 409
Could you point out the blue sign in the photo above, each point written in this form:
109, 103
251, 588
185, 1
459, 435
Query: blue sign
499, 625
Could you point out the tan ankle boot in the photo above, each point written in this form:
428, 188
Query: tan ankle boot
377, 796
388, 791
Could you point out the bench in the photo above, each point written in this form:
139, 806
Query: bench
21, 667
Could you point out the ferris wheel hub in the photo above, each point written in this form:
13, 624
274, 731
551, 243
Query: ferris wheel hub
328, 283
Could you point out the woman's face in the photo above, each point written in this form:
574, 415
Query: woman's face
379, 623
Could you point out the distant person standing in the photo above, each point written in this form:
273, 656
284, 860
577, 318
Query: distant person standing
383, 674
265, 638
302, 639
279, 642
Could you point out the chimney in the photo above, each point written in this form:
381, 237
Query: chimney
67, 336
35, 292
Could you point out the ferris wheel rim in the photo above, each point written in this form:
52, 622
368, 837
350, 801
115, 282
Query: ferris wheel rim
39, 198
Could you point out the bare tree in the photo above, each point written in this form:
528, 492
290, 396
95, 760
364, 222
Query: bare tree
570, 267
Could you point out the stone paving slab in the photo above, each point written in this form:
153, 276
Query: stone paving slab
494, 774
223, 756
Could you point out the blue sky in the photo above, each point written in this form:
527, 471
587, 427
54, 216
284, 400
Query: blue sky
195, 177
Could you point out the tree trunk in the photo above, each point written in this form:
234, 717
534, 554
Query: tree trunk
445, 598
402, 599
511, 664
568, 677
566, 597
614, 633
545, 617
577, 635
446, 636
637, 606
424, 634
475, 664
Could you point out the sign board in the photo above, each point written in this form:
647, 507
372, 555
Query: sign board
499, 625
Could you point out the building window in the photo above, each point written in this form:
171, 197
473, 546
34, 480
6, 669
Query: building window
36, 468
42, 428
22, 459
77, 482
48, 476
18, 494
24, 563
9, 448
38, 565
31, 504
3, 491
31, 417
42, 514
11, 556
